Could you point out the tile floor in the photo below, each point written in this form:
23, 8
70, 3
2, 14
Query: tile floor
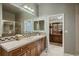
55, 49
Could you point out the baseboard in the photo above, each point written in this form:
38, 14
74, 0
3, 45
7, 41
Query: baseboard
72, 54
77, 54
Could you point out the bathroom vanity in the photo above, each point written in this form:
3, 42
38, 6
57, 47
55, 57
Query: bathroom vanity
31, 46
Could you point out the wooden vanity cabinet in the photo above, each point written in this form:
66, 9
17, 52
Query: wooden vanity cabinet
0, 51
32, 49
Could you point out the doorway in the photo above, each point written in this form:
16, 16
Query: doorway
55, 35
56, 30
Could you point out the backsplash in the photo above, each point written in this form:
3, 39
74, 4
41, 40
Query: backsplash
33, 33
13, 37
7, 39
8, 34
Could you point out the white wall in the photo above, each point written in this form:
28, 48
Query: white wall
69, 19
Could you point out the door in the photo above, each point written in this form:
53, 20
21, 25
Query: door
55, 32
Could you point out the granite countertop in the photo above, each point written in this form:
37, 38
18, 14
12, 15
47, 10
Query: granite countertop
9, 46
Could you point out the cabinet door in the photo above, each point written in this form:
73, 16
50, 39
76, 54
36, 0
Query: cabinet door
26, 50
33, 51
28, 53
39, 47
42, 44
16, 52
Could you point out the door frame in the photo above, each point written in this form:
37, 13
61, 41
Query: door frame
62, 27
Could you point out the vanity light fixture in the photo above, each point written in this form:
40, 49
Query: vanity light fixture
30, 9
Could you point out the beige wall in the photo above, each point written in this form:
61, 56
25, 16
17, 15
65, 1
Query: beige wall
77, 28
69, 19
0, 18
